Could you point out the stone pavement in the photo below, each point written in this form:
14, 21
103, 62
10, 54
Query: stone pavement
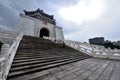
89, 69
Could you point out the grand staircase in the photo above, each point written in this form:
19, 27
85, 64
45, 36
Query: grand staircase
38, 54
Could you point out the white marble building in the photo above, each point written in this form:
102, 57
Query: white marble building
39, 24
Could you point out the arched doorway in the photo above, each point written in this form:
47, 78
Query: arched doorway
44, 32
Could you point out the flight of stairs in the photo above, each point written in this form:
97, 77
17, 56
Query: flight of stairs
38, 54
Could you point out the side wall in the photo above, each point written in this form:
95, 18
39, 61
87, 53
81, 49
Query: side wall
59, 34
25, 25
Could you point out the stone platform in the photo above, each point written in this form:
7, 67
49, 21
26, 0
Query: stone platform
88, 69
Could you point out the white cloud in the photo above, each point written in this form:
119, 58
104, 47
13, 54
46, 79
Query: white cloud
80, 19
103, 20
85, 10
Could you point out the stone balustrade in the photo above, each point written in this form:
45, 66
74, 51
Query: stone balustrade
2, 60
49, 38
7, 55
53, 39
7, 36
94, 50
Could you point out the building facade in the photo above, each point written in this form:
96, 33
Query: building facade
97, 40
39, 24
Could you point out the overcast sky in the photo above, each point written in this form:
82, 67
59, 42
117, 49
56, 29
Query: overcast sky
80, 19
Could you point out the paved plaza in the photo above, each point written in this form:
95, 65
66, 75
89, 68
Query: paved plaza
89, 69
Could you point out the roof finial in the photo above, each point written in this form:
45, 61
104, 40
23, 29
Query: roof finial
39, 10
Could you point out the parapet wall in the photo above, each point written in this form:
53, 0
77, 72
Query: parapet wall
7, 36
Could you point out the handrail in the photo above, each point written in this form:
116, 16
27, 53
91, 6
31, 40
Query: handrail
2, 59
1, 66
94, 50
53, 39
7, 62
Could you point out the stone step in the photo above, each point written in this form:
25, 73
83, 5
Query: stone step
24, 67
46, 55
35, 59
25, 41
28, 45
21, 55
49, 54
45, 50
35, 40
31, 53
42, 55
29, 71
31, 57
39, 44
37, 54
38, 61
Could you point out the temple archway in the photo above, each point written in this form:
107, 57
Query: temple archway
44, 32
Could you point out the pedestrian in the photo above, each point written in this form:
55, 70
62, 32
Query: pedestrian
63, 44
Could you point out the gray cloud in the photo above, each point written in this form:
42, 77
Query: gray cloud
8, 15
106, 25
11, 8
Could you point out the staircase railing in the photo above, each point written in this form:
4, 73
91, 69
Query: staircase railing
94, 50
53, 39
7, 56
7, 36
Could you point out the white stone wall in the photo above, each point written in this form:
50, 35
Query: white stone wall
39, 25
31, 26
59, 34
25, 25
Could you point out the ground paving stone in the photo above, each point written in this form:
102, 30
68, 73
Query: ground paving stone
90, 69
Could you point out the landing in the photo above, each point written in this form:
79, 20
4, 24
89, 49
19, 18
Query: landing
89, 69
